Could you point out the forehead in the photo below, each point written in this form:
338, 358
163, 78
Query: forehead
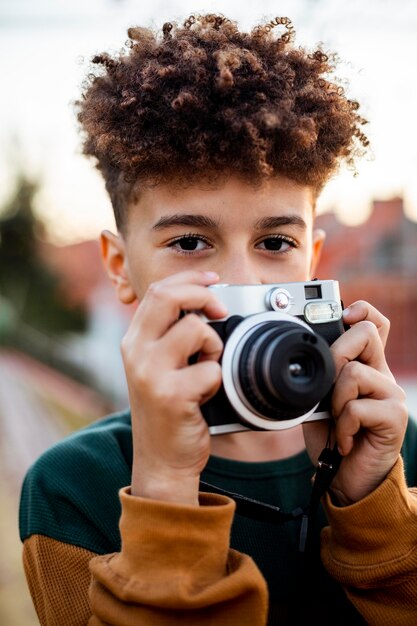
232, 201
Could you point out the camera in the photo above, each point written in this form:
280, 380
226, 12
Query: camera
277, 368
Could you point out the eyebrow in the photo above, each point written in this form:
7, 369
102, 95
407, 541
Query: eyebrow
283, 220
180, 219
202, 221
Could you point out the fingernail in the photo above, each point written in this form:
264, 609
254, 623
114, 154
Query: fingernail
211, 275
346, 312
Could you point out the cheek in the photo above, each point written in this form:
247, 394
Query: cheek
302, 265
145, 269
139, 272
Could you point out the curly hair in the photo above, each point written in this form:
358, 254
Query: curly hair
204, 100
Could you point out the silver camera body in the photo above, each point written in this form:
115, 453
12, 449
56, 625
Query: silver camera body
277, 368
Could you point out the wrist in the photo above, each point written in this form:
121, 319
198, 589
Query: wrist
338, 498
356, 482
166, 488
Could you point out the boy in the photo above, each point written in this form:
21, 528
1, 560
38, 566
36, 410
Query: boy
214, 145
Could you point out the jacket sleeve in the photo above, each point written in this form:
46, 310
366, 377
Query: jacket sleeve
176, 567
370, 547
58, 579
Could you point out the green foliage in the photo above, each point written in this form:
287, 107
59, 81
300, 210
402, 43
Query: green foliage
25, 282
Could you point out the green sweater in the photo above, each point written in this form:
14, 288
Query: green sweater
71, 495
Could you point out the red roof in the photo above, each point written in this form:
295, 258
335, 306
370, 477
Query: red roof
79, 267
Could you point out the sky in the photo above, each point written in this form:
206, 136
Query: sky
45, 47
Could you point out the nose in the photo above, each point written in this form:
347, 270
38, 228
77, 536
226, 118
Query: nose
239, 270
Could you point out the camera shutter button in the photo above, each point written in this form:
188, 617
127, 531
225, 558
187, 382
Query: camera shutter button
280, 300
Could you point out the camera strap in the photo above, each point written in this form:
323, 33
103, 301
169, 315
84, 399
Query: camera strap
328, 464
248, 507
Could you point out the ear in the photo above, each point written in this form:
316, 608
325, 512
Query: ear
113, 253
319, 237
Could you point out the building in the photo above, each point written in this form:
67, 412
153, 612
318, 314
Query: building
377, 262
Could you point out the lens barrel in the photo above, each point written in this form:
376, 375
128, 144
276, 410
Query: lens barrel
284, 370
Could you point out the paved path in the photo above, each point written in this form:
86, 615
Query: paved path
38, 406
35, 405
27, 427
27, 424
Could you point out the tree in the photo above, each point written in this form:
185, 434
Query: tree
25, 282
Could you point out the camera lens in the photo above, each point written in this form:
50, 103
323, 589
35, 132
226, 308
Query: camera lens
284, 370
300, 368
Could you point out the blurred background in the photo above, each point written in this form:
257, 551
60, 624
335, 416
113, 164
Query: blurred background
60, 324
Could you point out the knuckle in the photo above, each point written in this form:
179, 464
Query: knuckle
398, 415
126, 348
156, 290
349, 410
369, 328
194, 322
399, 405
215, 337
124, 345
213, 372
165, 395
141, 375
361, 303
385, 323
206, 331
141, 370
216, 369
361, 308
403, 410
353, 369
153, 288
384, 318
402, 396
338, 351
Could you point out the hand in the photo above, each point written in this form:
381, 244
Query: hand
171, 441
368, 407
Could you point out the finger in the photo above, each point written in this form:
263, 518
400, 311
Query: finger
357, 380
361, 342
177, 395
363, 311
385, 421
187, 337
164, 301
191, 277
201, 382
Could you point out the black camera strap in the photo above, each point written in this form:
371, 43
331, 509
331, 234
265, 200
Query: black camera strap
328, 464
248, 507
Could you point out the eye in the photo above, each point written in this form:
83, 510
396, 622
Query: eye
277, 243
187, 244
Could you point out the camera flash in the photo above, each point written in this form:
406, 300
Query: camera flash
321, 312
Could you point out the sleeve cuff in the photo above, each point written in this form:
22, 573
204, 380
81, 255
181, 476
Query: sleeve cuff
380, 528
177, 558
177, 533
